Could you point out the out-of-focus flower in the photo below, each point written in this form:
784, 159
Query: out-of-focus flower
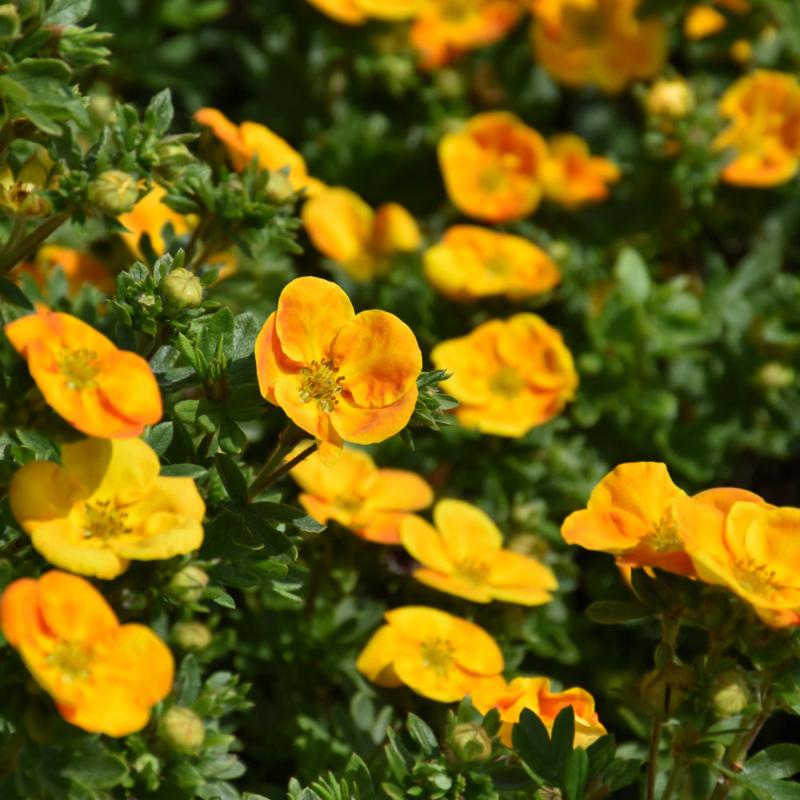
464, 555
631, 514
492, 167
602, 43
371, 502
21, 194
509, 375
149, 216
338, 375
104, 505
99, 389
439, 656
764, 132
511, 699
346, 230
357, 12
572, 176
669, 97
703, 21
79, 268
104, 677
742, 51
182, 730
471, 262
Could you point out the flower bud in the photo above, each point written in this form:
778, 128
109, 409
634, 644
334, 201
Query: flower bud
101, 109
449, 83
192, 636
173, 158
182, 730
775, 375
279, 187
471, 742
731, 694
9, 22
187, 584
182, 289
114, 192
669, 98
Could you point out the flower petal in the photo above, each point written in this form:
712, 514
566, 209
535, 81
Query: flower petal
398, 490
73, 609
373, 425
42, 490
376, 659
466, 529
425, 544
452, 584
129, 387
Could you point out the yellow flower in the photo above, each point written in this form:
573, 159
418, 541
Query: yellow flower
338, 375
149, 216
98, 389
764, 134
439, 656
510, 699
346, 230
631, 514
371, 502
79, 268
357, 12
104, 677
464, 555
509, 376
471, 262
669, 97
572, 176
602, 43
736, 539
492, 167
703, 21
104, 505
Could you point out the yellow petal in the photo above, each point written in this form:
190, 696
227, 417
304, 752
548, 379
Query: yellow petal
73, 609
339, 224
398, 489
373, 425
425, 544
42, 490
453, 584
376, 659
466, 529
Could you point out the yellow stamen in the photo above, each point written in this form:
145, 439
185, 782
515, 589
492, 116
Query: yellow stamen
320, 383
72, 659
755, 578
664, 538
507, 382
472, 569
437, 655
79, 368
103, 520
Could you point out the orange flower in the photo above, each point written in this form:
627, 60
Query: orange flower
572, 176
104, 505
439, 656
602, 43
371, 502
510, 699
78, 268
253, 140
357, 12
492, 167
509, 376
703, 21
445, 29
764, 134
98, 389
471, 262
631, 514
736, 539
338, 375
149, 216
104, 677
463, 555
346, 230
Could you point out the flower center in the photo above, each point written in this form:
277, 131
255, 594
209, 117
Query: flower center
506, 382
755, 578
348, 503
79, 368
320, 382
103, 520
498, 265
437, 655
492, 179
472, 569
72, 659
664, 538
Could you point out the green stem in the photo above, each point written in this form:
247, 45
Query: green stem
652, 761
288, 439
262, 483
12, 256
674, 782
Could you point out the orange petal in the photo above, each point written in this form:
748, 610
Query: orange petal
129, 387
398, 489
19, 611
346, 478
271, 362
373, 425
339, 224
73, 609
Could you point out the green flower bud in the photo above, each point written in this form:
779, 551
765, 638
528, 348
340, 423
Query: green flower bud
279, 187
9, 22
449, 83
730, 694
173, 158
187, 584
470, 742
182, 730
101, 109
192, 636
182, 289
775, 375
114, 192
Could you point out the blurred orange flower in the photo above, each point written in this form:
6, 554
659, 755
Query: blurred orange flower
439, 656
463, 555
99, 389
357, 12
492, 167
104, 505
602, 43
509, 376
703, 21
471, 262
78, 268
764, 132
338, 375
346, 230
149, 216
104, 677
572, 176
631, 514
371, 502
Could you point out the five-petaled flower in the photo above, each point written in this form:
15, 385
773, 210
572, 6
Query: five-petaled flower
336, 374
99, 389
104, 677
464, 555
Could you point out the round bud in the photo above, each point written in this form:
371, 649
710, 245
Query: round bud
670, 98
775, 375
470, 742
730, 694
114, 192
182, 289
279, 187
187, 584
101, 109
193, 636
9, 22
182, 730
449, 83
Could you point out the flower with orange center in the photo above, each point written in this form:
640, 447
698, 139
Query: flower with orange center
445, 29
471, 262
357, 12
79, 268
511, 699
346, 230
572, 176
464, 555
764, 134
492, 167
631, 514
104, 505
338, 375
99, 389
252, 140
150, 216
435, 654
104, 677
737, 540
603, 43
509, 375
371, 502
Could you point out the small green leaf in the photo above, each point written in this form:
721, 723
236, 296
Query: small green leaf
421, 733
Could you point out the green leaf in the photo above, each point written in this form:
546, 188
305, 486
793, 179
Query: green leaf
613, 612
532, 743
96, 768
232, 479
562, 738
159, 112
775, 763
576, 773
421, 733
67, 12
632, 274
159, 437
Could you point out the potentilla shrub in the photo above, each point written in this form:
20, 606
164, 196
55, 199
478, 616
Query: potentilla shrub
398, 400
